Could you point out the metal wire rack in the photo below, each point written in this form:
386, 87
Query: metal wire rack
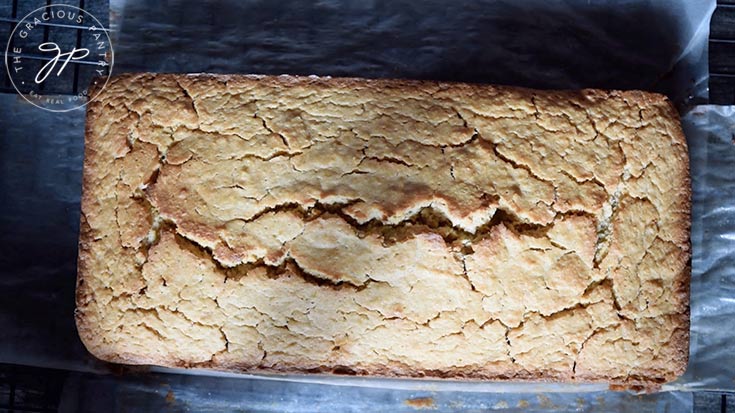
67, 36
722, 54
30, 389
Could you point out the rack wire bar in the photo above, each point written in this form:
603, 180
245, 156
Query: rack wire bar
75, 85
14, 13
66, 26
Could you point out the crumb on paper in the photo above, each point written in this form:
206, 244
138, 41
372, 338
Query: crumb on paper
170, 398
421, 403
545, 402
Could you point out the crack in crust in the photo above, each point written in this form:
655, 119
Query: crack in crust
380, 227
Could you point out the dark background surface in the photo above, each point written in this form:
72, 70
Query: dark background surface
41, 158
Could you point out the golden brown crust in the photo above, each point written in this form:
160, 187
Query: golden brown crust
385, 227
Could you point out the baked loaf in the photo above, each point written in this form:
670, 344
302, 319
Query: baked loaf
384, 227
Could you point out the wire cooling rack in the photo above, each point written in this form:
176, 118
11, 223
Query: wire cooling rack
722, 54
67, 36
30, 389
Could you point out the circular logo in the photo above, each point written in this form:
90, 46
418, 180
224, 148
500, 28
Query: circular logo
55, 53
